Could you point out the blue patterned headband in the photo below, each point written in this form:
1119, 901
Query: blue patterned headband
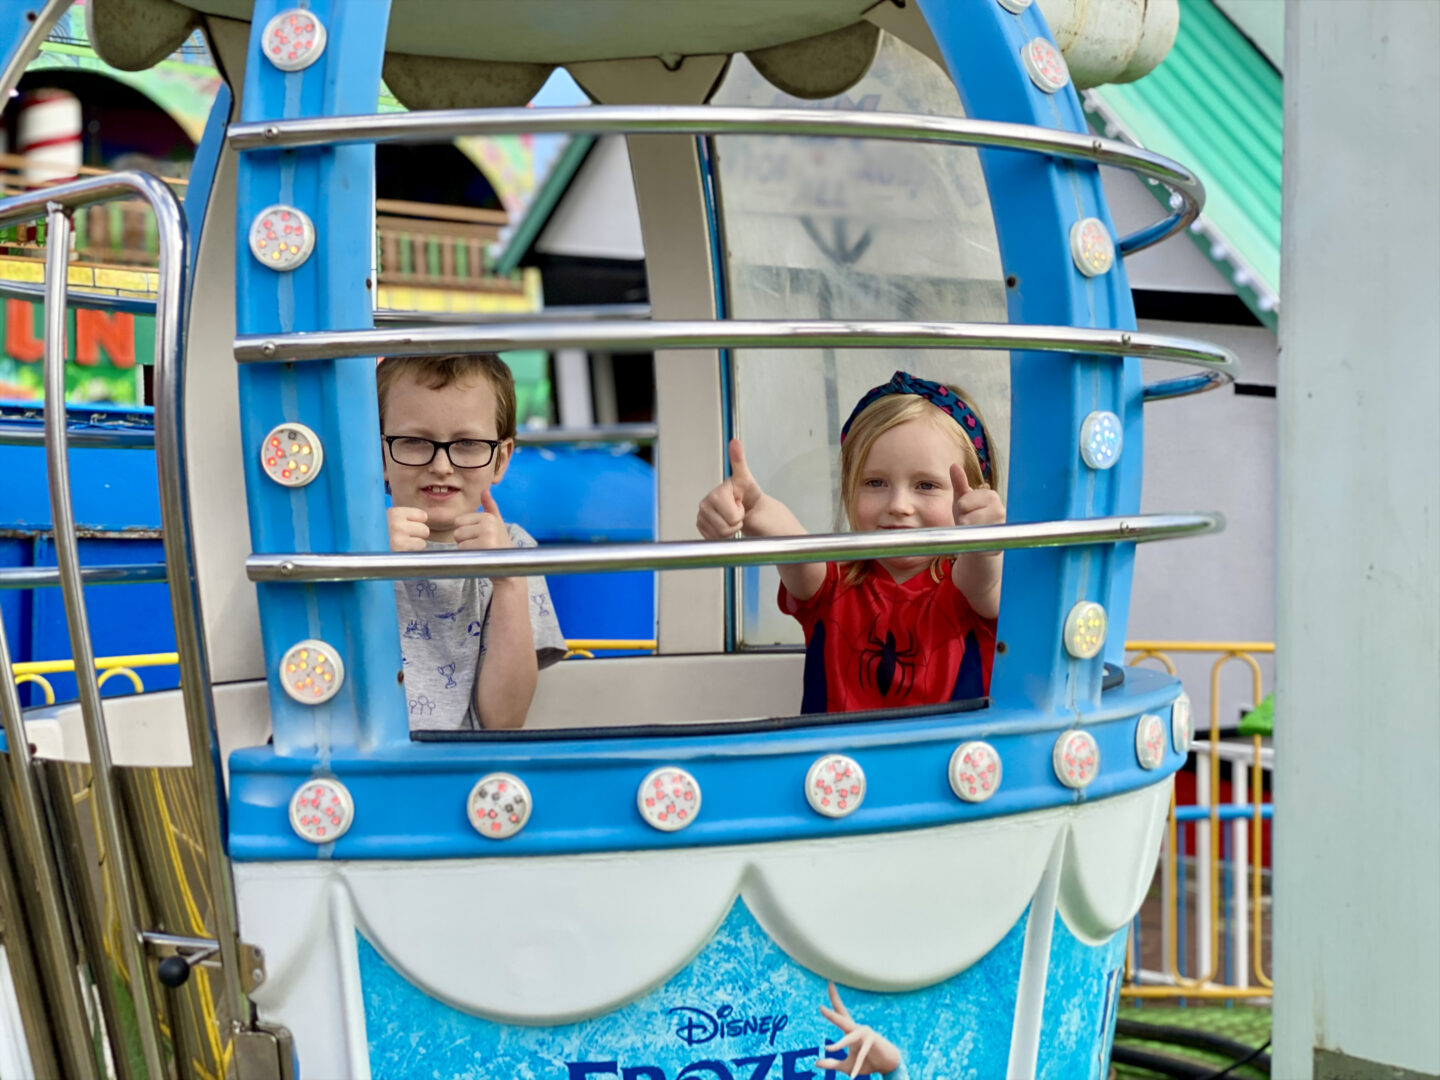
902, 382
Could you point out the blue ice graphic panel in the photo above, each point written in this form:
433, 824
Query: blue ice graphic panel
1079, 1011
742, 1009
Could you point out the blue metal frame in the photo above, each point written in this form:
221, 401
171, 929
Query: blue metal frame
410, 798
1035, 200
343, 509
411, 802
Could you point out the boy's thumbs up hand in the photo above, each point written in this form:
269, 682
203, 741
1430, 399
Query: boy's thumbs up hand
974, 505
722, 511
482, 531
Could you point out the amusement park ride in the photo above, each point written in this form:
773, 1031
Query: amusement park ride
970, 901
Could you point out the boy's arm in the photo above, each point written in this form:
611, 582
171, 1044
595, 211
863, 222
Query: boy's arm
740, 506
506, 685
508, 674
977, 573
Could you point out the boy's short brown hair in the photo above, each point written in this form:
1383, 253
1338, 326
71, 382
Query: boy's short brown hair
438, 372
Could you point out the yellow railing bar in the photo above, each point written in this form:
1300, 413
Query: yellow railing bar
43, 683
594, 645
1203, 987
102, 663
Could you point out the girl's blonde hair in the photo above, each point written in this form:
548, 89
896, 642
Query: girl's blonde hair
890, 412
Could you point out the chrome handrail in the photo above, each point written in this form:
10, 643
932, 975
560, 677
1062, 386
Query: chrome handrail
68, 1015
558, 313
1220, 365
120, 438
117, 869
41, 23
179, 561
695, 554
445, 125
45, 577
80, 298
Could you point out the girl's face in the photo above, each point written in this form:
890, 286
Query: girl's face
905, 484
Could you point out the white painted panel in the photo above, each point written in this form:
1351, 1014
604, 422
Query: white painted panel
598, 216
1357, 853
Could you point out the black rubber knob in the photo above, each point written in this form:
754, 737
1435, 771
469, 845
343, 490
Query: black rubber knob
173, 971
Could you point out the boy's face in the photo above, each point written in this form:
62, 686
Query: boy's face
463, 410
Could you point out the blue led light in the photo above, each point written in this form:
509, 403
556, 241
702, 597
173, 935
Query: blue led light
1101, 438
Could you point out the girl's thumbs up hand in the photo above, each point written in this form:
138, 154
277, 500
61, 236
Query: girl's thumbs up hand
722, 511
974, 505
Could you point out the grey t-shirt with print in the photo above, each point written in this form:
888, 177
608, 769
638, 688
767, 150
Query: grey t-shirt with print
444, 632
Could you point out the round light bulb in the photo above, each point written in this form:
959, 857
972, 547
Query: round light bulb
1044, 64
1076, 758
1085, 630
311, 672
668, 798
835, 786
498, 806
293, 39
975, 771
321, 811
1102, 437
282, 237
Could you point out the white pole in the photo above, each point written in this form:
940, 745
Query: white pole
1201, 919
1240, 871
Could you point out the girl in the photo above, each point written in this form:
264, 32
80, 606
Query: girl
891, 632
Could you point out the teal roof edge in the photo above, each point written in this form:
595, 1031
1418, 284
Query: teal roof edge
528, 229
1216, 105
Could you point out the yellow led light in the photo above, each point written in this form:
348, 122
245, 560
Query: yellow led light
304, 468
305, 449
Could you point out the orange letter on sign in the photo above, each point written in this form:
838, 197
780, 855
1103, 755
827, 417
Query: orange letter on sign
113, 332
20, 340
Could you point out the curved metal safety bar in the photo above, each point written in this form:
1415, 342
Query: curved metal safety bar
1220, 366
90, 438
179, 563
118, 871
558, 313
445, 125
695, 554
81, 438
610, 434
78, 298
67, 1013
45, 577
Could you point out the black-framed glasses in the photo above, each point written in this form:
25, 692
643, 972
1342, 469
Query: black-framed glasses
463, 453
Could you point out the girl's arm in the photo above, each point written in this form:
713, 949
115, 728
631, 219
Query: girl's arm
740, 506
977, 573
506, 685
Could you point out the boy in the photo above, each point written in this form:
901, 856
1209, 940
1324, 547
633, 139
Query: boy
472, 646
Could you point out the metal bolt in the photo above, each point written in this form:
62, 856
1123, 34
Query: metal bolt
272, 132
257, 977
286, 569
268, 349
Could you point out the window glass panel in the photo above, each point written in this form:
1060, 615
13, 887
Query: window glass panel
818, 228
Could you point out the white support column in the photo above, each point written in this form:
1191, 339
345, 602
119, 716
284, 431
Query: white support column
1201, 865
1240, 871
1357, 742
572, 388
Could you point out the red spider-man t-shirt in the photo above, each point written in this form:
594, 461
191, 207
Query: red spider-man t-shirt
879, 645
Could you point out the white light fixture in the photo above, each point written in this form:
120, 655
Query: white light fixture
975, 771
1180, 730
835, 786
1085, 630
293, 39
291, 455
1091, 247
1015, 7
321, 811
311, 672
669, 798
1101, 438
1076, 758
1044, 64
498, 806
282, 237
1150, 741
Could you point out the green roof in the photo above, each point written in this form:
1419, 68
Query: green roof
1215, 104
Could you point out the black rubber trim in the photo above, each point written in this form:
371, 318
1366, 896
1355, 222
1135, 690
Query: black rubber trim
720, 727
1189, 1037
1113, 679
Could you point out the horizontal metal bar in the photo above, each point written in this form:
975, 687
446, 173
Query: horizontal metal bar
640, 434
81, 438
45, 577
559, 313
80, 298
1227, 812
1220, 365
158, 944
445, 125
694, 554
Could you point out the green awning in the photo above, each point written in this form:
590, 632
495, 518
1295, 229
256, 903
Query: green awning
1215, 104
